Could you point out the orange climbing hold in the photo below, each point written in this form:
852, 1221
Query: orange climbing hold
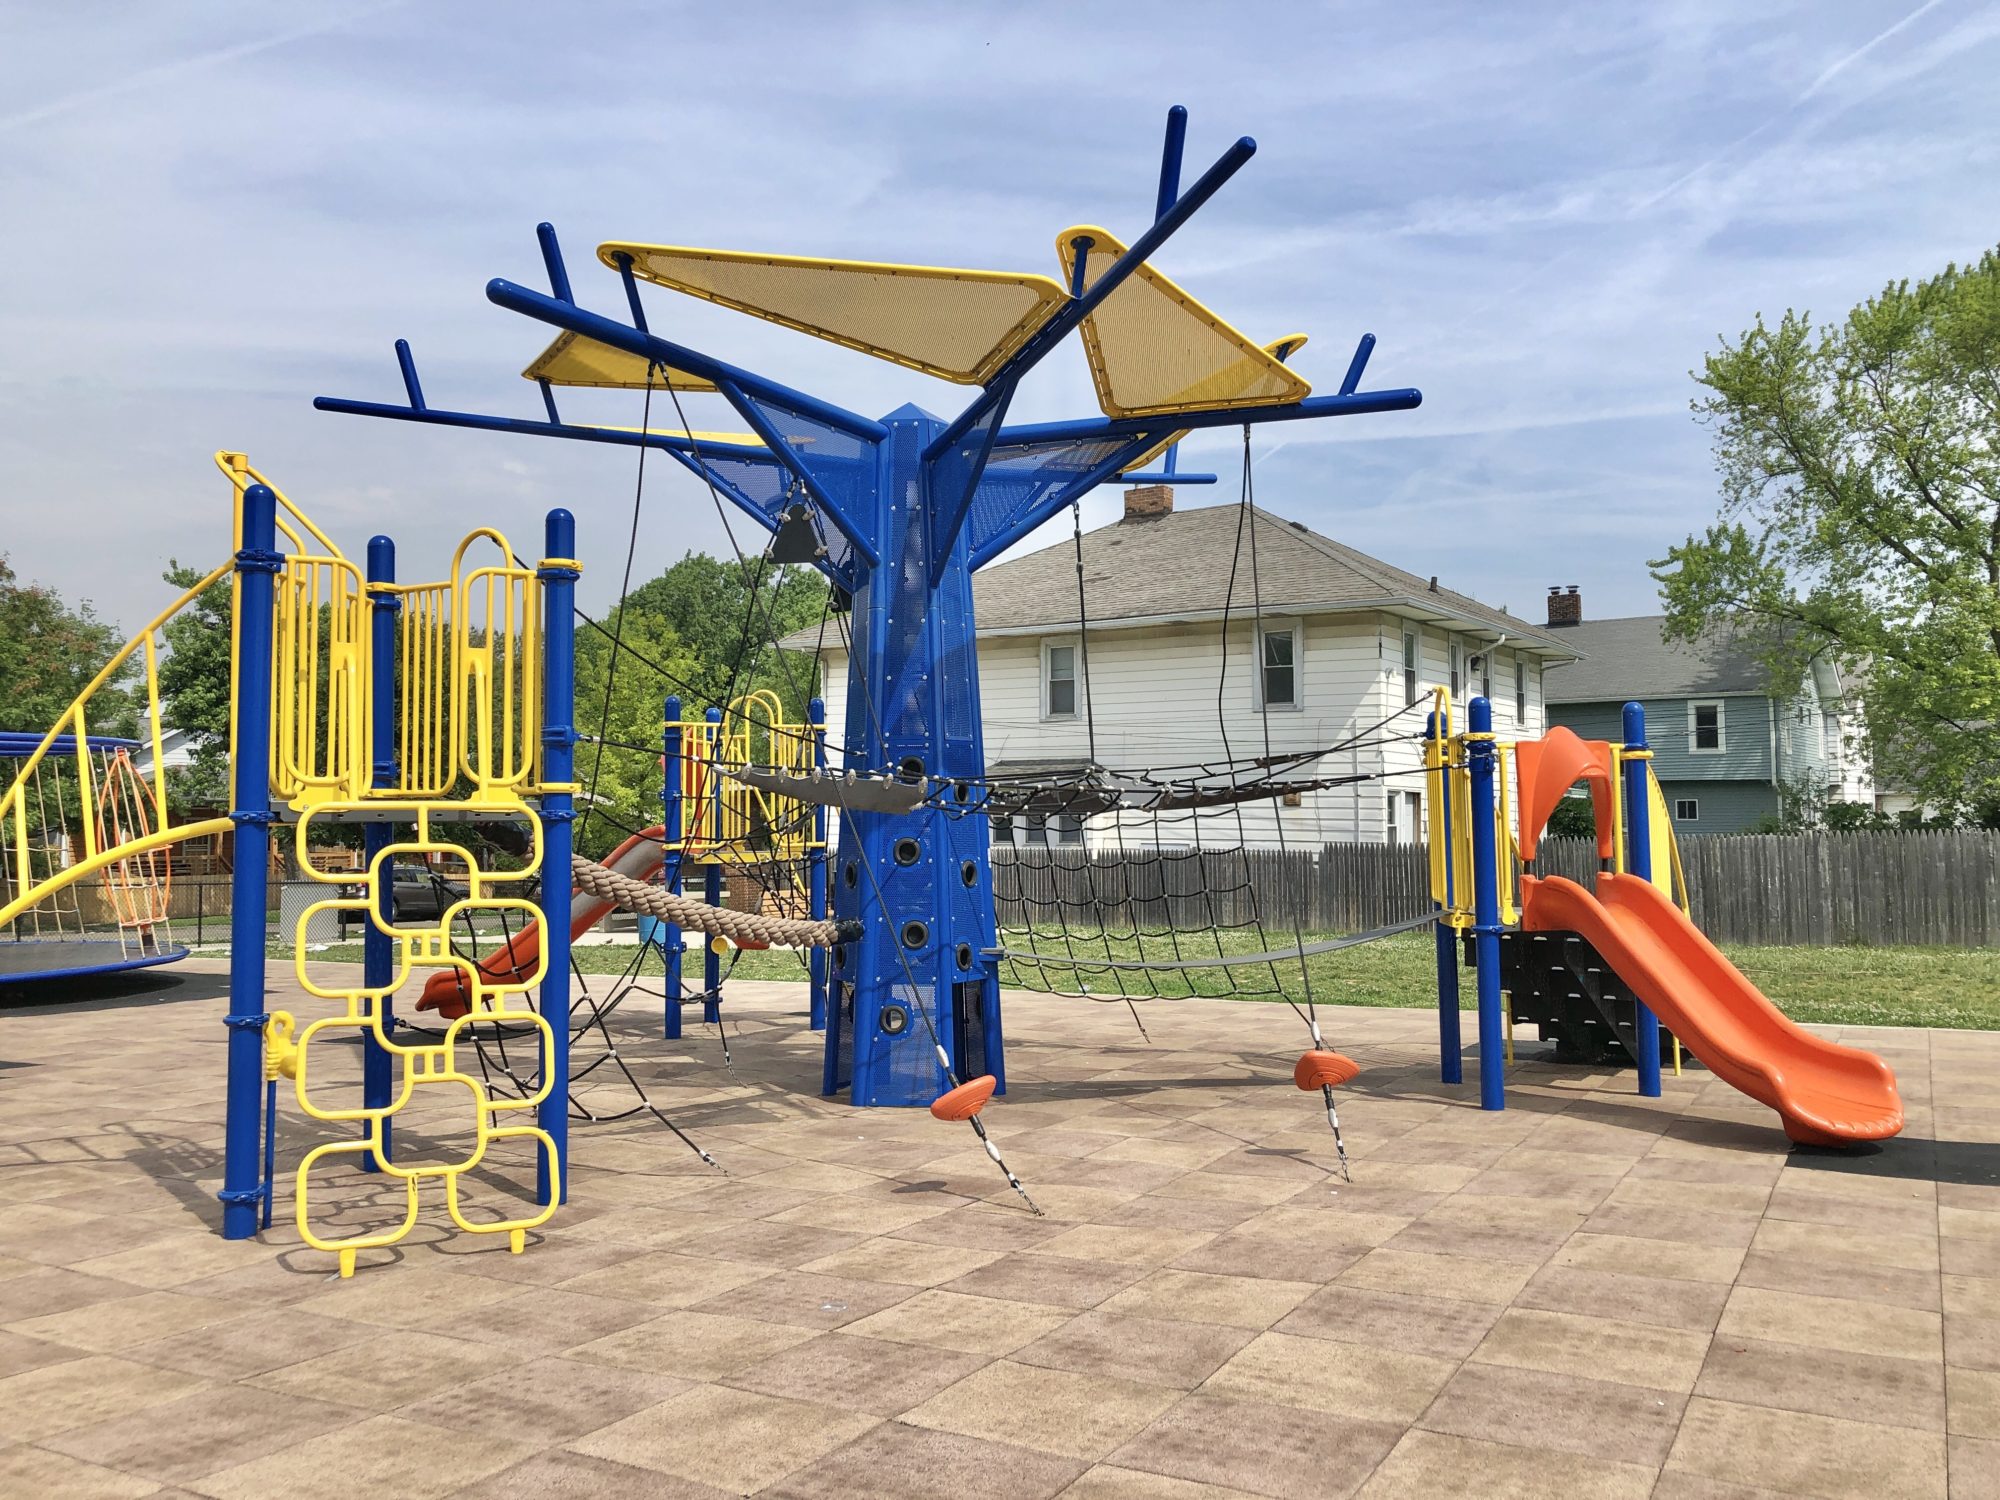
1324, 1070
967, 1100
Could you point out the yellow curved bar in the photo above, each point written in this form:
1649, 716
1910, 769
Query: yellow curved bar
84, 869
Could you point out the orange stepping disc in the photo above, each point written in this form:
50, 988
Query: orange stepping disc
967, 1100
1319, 1070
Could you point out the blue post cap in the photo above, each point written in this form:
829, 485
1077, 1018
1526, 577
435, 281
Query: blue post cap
816, 711
1479, 716
713, 715
1635, 725
674, 707
381, 560
559, 536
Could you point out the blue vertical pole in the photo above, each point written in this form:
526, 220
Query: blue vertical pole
816, 868
1639, 861
711, 888
558, 578
1170, 161
377, 947
671, 824
1451, 1045
1482, 757
256, 596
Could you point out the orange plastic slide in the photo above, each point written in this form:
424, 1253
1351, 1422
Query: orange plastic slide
639, 857
1827, 1094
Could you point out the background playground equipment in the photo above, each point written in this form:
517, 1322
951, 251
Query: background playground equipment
898, 514
1626, 951
73, 805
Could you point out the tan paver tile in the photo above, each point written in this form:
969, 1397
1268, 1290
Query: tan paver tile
1446, 1328
1051, 1280
1633, 1256
1239, 1301
387, 1371
1974, 1403
561, 1475
1862, 1387
37, 1472
19, 1355
252, 1344
1264, 1449
1459, 1277
765, 1243
860, 1374
807, 1299
1975, 1468
1830, 1323
1972, 1296
969, 1324
1862, 1283
1683, 1226
667, 1279
40, 1403
1807, 1455
735, 1440
1973, 1343
546, 1400
1106, 1482
896, 1462
1272, 1260
903, 1261
702, 1346
1430, 1463
1597, 1348
1356, 1380
182, 1440
1846, 1246
1129, 1247
381, 1455
1539, 1410
980, 1228
1055, 1411
1152, 1350
1640, 1299
42, 1290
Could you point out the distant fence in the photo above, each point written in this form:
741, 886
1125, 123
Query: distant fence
1921, 888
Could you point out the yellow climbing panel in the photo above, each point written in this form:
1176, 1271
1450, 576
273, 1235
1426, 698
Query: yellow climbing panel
726, 822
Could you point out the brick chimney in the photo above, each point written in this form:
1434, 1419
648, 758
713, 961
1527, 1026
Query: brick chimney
1565, 606
1149, 502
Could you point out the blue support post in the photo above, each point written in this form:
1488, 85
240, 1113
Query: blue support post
1482, 757
816, 870
378, 960
671, 824
1451, 1044
711, 882
557, 573
1639, 862
257, 564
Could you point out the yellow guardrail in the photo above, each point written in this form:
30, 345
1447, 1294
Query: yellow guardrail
724, 821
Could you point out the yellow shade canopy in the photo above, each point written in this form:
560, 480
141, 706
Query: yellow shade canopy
1283, 348
573, 360
1154, 350
955, 324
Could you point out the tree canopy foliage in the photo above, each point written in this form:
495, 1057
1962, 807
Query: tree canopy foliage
1860, 468
49, 652
195, 690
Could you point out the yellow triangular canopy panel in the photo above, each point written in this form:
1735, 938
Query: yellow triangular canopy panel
957, 325
708, 439
1154, 350
573, 360
1283, 348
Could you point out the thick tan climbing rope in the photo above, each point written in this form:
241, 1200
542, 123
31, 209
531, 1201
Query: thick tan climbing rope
747, 927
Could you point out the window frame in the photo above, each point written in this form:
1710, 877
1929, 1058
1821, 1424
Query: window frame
1693, 816
1050, 646
1278, 626
1413, 665
1454, 651
1721, 745
1520, 689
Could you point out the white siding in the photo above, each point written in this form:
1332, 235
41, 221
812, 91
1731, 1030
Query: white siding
1153, 696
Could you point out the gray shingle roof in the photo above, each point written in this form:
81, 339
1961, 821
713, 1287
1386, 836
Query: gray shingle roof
1178, 565
1628, 659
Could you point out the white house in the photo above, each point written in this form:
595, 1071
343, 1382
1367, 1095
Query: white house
1347, 648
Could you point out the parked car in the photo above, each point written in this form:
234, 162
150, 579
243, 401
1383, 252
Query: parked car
417, 895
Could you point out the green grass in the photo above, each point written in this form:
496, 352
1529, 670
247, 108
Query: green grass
1942, 987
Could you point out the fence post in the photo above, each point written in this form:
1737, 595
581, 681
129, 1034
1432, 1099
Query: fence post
1639, 862
557, 573
377, 947
257, 564
1481, 756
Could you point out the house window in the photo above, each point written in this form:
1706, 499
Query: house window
1520, 691
1058, 681
1409, 667
1405, 818
1686, 809
1278, 667
1705, 727
1482, 673
1003, 829
1457, 671
1062, 828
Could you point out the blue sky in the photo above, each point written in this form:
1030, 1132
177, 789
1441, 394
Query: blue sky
1545, 213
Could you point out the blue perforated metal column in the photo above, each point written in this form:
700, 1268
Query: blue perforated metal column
920, 882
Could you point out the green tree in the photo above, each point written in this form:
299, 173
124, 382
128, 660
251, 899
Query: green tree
621, 777
195, 690
49, 652
1860, 469
727, 614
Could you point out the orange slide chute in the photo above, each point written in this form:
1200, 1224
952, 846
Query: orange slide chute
1826, 1094
639, 857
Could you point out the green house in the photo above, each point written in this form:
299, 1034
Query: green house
1725, 748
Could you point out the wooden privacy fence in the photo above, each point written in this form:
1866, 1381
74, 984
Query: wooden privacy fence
1926, 888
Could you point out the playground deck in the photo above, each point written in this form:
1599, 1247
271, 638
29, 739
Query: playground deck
1588, 1295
